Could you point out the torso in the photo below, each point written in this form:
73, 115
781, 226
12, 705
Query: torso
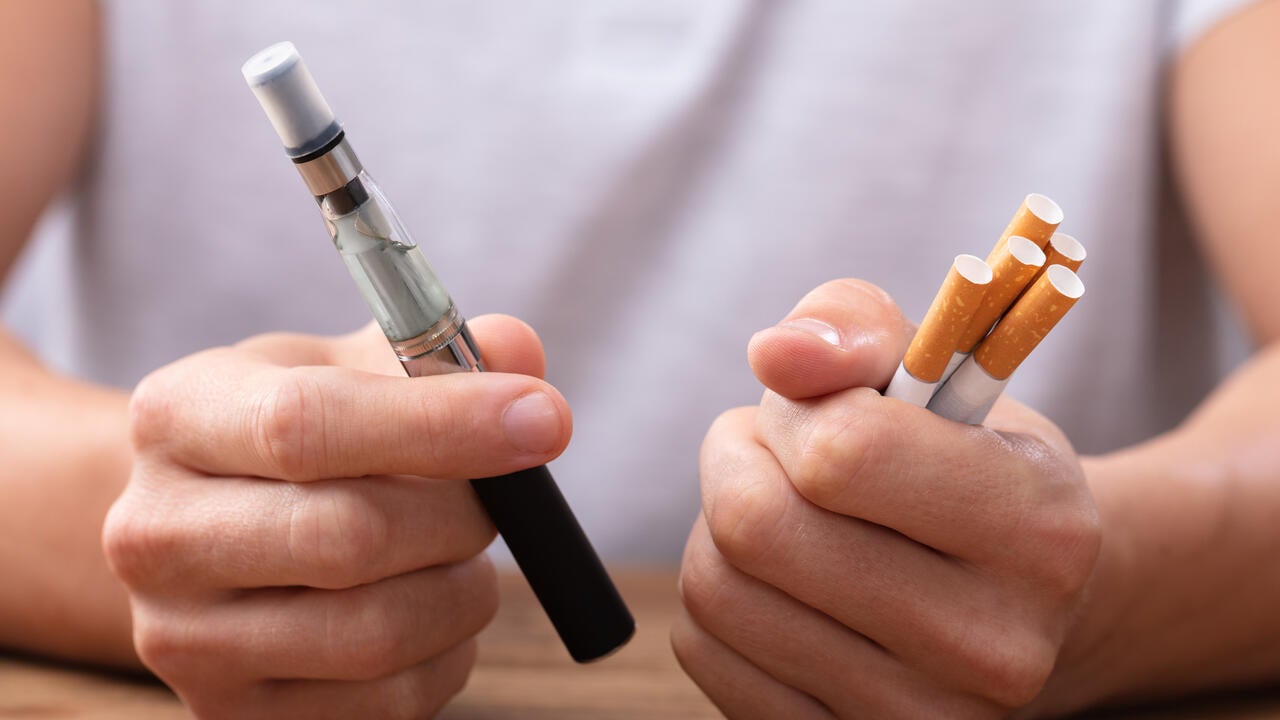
646, 183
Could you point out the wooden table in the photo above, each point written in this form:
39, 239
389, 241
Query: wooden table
522, 673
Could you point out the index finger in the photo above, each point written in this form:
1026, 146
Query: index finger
963, 490
226, 412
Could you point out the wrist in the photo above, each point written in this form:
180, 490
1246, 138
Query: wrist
1141, 628
1088, 672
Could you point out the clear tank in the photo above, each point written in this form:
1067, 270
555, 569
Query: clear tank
391, 272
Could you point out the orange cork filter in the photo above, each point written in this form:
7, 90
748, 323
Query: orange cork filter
1027, 323
1066, 251
1036, 220
953, 307
1013, 267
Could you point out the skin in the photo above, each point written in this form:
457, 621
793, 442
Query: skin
269, 567
82, 611
298, 536
279, 548
921, 567
860, 557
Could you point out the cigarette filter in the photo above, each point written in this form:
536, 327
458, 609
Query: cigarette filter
935, 342
967, 396
1036, 220
1014, 267
1064, 250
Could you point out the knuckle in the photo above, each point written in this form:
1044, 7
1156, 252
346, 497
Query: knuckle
702, 583
473, 587
721, 453
423, 691
157, 649
1016, 672
1071, 542
361, 634
158, 399
1062, 525
837, 448
125, 544
724, 423
693, 648
136, 544
288, 425
337, 536
816, 475
171, 646
458, 665
150, 411
369, 630
1007, 666
683, 641
484, 591
745, 522
475, 539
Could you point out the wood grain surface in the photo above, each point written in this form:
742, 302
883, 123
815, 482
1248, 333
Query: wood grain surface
523, 672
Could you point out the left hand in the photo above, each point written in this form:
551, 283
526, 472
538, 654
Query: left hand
861, 557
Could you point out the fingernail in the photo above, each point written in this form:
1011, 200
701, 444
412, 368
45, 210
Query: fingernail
815, 327
532, 423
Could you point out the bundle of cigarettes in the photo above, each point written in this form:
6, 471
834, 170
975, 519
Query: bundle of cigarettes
989, 315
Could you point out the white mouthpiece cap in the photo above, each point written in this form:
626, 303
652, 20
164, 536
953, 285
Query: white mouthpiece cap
291, 99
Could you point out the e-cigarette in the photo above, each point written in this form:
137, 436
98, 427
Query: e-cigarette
430, 337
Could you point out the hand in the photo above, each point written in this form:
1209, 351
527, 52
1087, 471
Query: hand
298, 536
861, 557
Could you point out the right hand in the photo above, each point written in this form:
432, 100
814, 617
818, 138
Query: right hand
298, 536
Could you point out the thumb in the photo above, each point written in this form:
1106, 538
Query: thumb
844, 334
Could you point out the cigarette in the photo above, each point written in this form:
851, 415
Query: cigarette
1013, 269
1064, 250
967, 396
1036, 220
934, 343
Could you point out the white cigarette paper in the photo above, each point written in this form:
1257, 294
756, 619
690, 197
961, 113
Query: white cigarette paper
953, 364
968, 394
908, 388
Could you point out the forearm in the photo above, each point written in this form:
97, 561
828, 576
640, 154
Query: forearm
1185, 591
67, 457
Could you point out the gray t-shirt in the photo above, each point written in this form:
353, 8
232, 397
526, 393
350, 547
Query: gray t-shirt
647, 182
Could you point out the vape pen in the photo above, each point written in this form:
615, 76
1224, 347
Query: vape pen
430, 337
